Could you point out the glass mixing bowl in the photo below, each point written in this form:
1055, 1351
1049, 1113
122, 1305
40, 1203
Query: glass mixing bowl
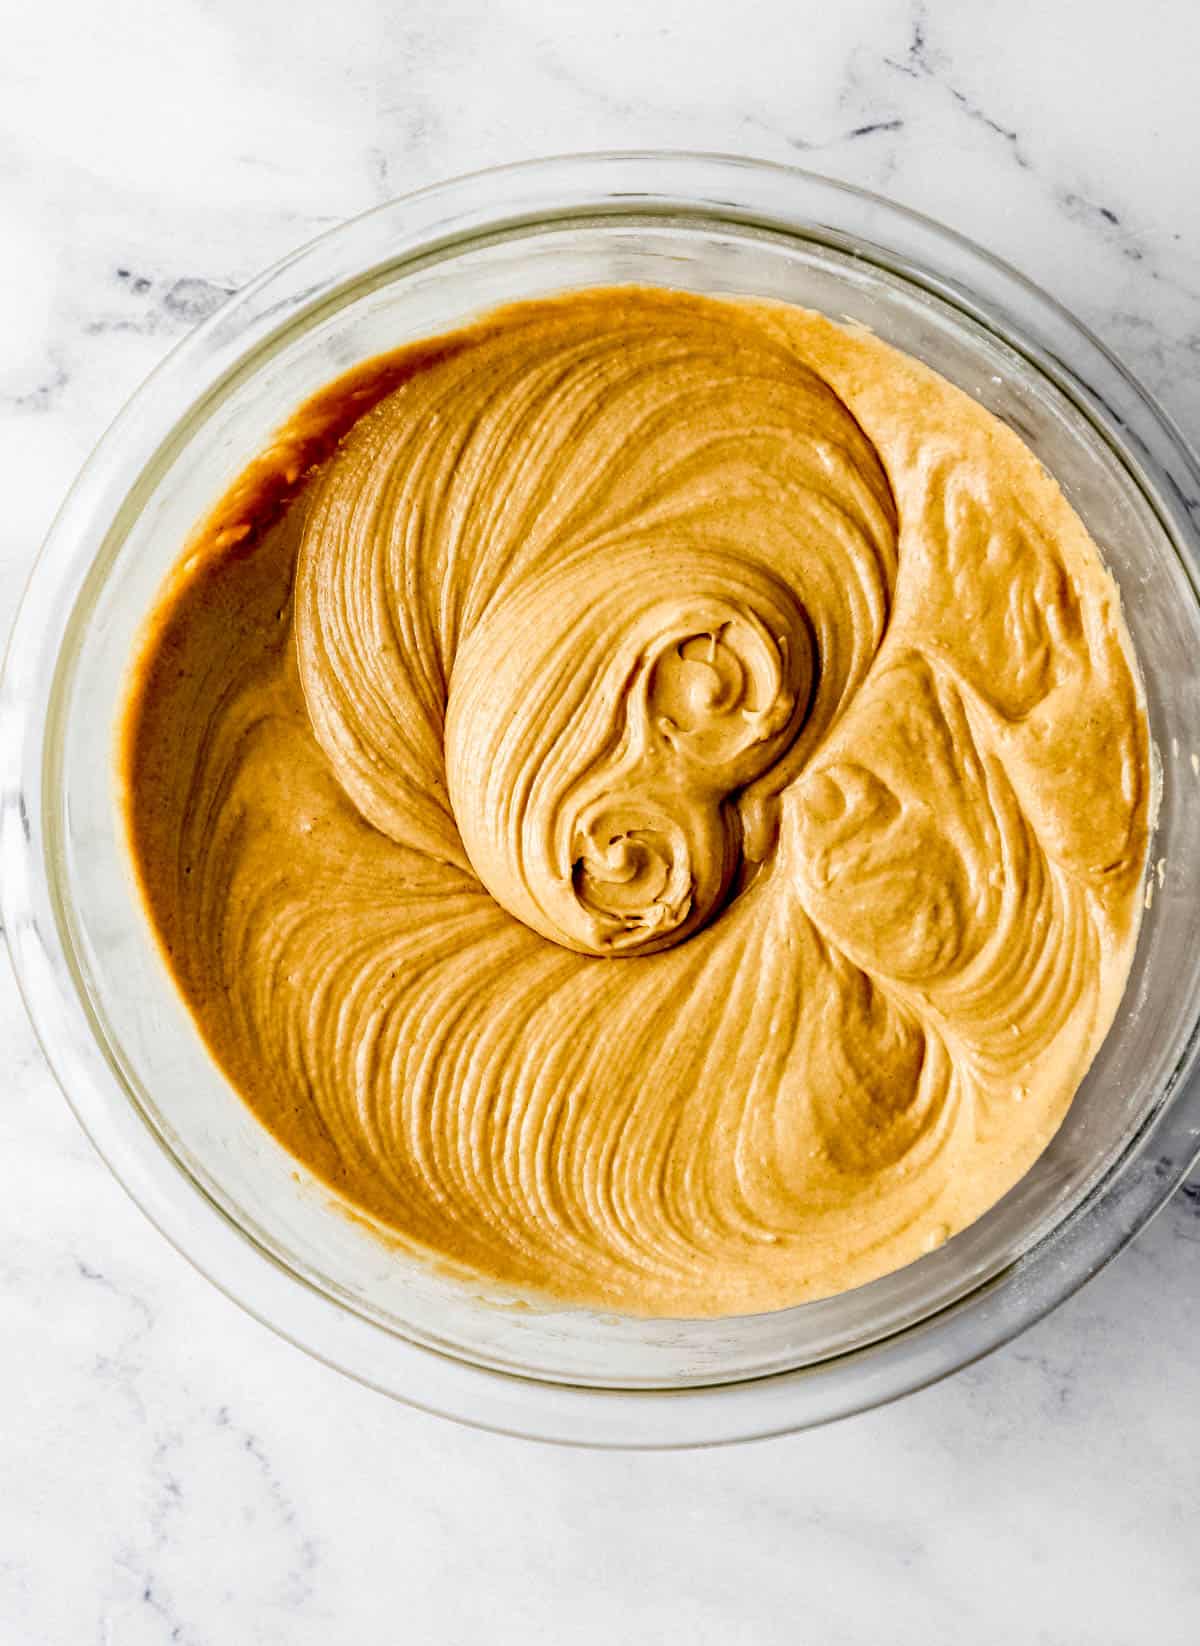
123, 1046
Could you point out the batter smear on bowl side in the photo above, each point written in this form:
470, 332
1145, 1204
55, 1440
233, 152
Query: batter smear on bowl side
646, 796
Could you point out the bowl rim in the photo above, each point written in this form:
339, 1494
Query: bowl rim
749, 193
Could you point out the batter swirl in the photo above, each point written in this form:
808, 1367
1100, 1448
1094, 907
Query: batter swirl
647, 797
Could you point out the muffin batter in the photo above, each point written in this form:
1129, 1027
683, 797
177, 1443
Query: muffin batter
646, 797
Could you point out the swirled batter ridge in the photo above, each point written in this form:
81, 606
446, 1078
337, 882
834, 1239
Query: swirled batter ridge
647, 796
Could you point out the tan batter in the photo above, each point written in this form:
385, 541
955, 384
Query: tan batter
647, 797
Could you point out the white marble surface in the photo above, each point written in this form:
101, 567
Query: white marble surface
169, 1472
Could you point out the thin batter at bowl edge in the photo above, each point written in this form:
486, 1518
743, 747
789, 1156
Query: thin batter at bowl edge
646, 796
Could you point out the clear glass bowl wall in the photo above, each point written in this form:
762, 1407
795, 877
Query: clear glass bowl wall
132, 1060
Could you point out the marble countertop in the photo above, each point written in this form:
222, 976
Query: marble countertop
170, 1471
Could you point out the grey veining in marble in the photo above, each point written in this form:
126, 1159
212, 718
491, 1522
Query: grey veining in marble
169, 1471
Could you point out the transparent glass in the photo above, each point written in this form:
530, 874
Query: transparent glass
125, 1049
